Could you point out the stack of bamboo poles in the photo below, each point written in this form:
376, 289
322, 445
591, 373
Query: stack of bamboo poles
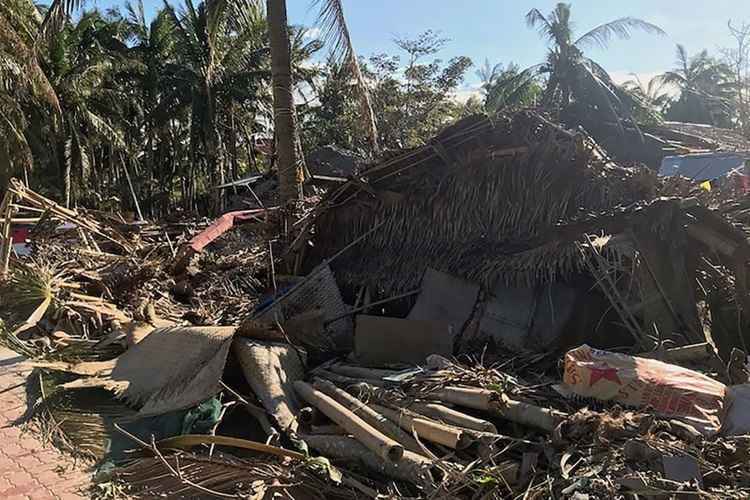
421, 440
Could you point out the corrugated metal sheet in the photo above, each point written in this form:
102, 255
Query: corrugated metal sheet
704, 166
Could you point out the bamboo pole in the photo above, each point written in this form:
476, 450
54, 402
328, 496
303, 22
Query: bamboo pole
449, 436
328, 430
361, 372
453, 417
685, 353
72, 216
502, 406
411, 468
470, 397
20, 220
373, 439
345, 381
369, 415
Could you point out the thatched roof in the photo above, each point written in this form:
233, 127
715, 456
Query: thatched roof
480, 201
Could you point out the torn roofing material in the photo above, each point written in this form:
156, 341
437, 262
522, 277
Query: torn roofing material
171, 369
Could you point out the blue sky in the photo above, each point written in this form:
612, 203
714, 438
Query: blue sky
496, 29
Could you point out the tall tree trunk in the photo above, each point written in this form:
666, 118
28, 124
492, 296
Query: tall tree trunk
214, 158
288, 165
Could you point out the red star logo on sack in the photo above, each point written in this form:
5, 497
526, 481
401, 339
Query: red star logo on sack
604, 373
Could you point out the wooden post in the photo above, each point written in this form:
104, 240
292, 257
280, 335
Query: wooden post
6, 241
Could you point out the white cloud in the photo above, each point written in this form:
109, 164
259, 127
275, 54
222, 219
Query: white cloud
312, 33
620, 77
467, 93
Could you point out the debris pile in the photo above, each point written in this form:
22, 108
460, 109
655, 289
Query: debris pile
503, 312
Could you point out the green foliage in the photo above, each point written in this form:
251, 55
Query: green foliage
706, 89
505, 87
412, 96
173, 103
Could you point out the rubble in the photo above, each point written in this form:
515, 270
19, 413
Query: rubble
503, 312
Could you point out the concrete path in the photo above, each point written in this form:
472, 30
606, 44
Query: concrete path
29, 469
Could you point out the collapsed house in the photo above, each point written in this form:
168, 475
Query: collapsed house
404, 337
566, 245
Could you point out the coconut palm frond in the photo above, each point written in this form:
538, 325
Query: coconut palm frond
216, 19
248, 15
511, 89
336, 34
30, 284
334, 30
620, 28
22, 148
535, 19
198, 474
57, 14
19, 53
672, 78
611, 97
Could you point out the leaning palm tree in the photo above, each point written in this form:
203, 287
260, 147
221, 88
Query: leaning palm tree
336, 33
571, 76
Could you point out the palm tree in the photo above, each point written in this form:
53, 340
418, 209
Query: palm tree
336, 33
504, 86
573, 78
288, 159
220, 46
706, 88
22, 83
79, 64
654, 92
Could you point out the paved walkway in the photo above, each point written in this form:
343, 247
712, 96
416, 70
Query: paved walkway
28, 469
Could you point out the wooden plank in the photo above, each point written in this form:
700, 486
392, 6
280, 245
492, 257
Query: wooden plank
6, 242
21, 220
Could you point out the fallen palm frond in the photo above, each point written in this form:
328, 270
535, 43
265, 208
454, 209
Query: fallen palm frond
78, 422
29, 292
31, 284
185, 475
188, 441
